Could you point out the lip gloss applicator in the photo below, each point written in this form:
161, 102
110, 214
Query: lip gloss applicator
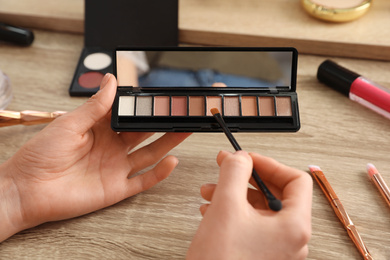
273, 203
356, 87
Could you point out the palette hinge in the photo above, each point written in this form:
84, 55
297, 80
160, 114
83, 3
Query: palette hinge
274, 91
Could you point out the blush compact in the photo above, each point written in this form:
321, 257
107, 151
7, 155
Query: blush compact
174, 89
108, 24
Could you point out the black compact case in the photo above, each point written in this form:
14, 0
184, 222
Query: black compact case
111, 23
181, 84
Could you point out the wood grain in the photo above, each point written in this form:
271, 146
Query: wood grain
337, 134
236, 23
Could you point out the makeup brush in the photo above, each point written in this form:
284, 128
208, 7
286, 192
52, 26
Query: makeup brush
273, 203
27, 117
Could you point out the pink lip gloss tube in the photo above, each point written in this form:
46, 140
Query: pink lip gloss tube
356, 87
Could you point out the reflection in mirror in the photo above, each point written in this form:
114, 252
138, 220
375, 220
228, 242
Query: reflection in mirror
252, 69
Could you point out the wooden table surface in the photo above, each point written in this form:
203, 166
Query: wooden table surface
235, 23
337, 134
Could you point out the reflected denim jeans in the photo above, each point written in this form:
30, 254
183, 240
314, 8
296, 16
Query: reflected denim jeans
168, 77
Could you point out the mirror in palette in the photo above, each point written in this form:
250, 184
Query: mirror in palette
205, 68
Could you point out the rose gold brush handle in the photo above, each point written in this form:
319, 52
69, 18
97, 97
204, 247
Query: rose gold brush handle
27, 117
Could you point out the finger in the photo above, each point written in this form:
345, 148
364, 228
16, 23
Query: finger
296, 185
207, 191
297, 195
84, 117
153, 152
302, 253
219, 85
273, 171
150, 178
255, 198
275, 191
233, 179
203, 208
221, 156
132, 139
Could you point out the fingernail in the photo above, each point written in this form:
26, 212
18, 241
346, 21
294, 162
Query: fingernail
105, 79
242, 152
223, 151
203, 208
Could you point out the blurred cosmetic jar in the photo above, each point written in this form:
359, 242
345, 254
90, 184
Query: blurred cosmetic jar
5, 91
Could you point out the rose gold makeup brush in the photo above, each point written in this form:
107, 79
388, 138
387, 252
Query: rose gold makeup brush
27, 117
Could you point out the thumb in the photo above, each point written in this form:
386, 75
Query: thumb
234, 175
97, 106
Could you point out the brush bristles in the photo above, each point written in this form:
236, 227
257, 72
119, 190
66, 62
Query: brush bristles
214, 111
314, 168
371, 170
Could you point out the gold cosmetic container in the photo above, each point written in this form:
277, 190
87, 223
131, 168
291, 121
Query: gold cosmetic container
330, 13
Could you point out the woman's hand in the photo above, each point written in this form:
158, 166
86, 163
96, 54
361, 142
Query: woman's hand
237, 223
78, 164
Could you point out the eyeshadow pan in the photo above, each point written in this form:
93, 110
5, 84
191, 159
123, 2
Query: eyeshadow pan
90, 79
249, 106
161, 106
231, 106
213, 102
196, 106
126, 106
266, 106
179, 106
283, 106
144, 106
97, 61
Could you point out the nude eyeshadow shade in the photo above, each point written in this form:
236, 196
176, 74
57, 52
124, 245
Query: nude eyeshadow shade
196, 106
249, 106
179, 106
232, 106
283, 106
266, 106
161, 105
213, 101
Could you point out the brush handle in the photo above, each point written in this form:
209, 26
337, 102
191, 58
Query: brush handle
273, 203
27, 117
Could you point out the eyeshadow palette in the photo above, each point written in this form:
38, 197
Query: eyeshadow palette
173, 89
154, 22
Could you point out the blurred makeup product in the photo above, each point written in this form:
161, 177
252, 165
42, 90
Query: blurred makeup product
16, 35
356, 87
5, 91
273, 203
111, 23
341, 213
177, 92
379, 182
336, 10
27, 117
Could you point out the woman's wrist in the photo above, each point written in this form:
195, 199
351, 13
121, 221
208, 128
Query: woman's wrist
10, 208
